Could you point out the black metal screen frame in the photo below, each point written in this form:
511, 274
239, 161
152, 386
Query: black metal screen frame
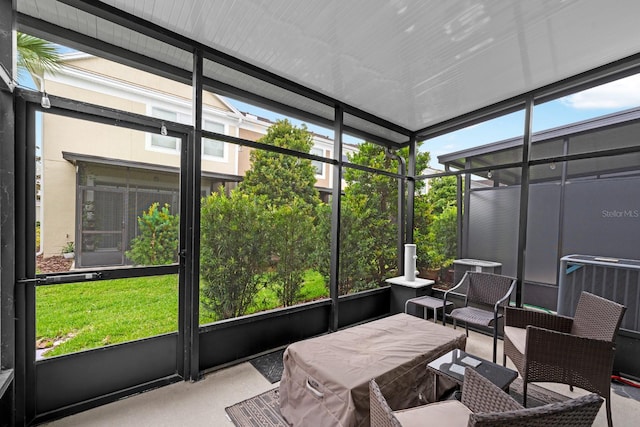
27, 280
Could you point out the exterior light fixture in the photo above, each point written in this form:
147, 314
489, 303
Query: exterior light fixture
38, 79
163, 130
45, 102
489, 174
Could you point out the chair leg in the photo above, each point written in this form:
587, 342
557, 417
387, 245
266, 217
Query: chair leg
609, 421
454, 323
504, 358
495, 344
466, 328
524, 393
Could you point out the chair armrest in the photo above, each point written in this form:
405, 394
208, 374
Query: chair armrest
505, 297
557, 356
564, 343
521, 318
481, 395
460, 283
463, 281
501, 301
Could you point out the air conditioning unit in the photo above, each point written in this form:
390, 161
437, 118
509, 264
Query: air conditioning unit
461, 266
612, 278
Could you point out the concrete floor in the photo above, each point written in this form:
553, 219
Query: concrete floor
202, 403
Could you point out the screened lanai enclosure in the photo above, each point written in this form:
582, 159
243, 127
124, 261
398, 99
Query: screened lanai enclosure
586, 206
153, 157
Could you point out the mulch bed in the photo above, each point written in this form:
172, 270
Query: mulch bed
53, 264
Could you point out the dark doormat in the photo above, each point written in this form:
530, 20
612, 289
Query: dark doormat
269, 365
262, 410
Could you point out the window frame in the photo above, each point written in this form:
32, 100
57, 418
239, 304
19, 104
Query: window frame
149, 145
224, 157
319, 151
185, 118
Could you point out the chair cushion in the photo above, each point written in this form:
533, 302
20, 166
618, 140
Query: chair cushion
474, 315
517, 336
448, 413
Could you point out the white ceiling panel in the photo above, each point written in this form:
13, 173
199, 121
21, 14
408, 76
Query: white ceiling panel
270, 91
414, 63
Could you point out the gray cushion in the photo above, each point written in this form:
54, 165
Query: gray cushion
448, 413
518, 336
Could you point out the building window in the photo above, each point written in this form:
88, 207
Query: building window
211, 147
160, 141
317, 165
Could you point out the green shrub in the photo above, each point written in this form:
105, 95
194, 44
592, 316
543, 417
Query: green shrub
360, 254
234, 252
423, 217
443, 238
157, 241
292, 243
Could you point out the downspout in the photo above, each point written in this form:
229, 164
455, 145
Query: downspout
411, 191
393, 155
461, 213
238, 147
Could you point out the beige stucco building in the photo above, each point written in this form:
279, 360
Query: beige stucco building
95, 179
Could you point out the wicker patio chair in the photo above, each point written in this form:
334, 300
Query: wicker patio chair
488, 290
483, 404
577, 351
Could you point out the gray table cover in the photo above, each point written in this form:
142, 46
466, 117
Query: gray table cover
326, 379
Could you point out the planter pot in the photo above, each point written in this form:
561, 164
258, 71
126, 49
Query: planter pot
68, 255
431, 274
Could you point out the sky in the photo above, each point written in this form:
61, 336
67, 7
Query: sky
602, 100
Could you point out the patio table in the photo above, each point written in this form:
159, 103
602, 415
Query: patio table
326, 379
452, 365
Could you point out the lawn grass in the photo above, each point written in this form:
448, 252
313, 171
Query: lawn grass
312, 288
90, 315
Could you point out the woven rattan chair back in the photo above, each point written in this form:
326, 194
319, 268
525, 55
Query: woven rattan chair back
487, 288
581, 411
577, 351
597, 318
493, 407
380, 413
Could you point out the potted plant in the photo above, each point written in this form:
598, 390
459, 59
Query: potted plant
430, 267
437, 263
68, 250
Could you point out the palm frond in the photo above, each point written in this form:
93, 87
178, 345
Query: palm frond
36, 56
